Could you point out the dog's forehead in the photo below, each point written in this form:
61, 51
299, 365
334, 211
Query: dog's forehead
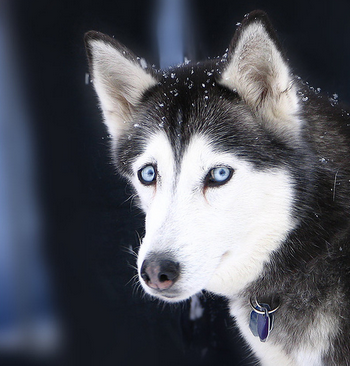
187, 102
191, 79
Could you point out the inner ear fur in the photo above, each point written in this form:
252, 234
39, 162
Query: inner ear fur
119, 79
257, 70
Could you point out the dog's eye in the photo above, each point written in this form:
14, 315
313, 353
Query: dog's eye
147, 175
218, 176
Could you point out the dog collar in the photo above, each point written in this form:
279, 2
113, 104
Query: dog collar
261, 319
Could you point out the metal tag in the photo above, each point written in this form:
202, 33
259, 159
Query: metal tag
261, 322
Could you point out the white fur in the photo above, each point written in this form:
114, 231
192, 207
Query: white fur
119, 84
323, 328
259, 74
221, 236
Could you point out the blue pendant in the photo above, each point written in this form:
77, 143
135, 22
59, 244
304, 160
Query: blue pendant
261, 321
264, 322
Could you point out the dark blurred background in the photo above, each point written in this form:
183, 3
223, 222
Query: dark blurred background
67, 226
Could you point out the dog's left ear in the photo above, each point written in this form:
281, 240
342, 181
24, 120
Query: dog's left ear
119, 78
258, 72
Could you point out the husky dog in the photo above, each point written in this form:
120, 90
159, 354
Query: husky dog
243, 172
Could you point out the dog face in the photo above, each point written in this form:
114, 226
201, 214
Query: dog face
210, 223
205, 147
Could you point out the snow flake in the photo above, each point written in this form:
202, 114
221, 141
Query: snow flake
143, 63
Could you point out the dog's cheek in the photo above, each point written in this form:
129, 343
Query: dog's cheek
144, 195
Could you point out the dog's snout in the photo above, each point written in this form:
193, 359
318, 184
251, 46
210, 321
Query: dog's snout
160, 274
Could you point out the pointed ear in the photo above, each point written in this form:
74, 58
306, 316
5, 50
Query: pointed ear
258, 72
118, 78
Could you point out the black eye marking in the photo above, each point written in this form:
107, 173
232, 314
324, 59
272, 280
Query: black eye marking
147, 175
218, 176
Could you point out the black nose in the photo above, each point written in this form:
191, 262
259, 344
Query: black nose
160, 274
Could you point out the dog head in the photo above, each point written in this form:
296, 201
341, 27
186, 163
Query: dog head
206, 148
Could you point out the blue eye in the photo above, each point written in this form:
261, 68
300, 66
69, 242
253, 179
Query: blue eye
147, 175
218, 176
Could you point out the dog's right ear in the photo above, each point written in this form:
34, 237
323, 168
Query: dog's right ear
119, 79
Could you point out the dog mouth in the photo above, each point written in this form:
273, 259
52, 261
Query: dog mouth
167, 295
